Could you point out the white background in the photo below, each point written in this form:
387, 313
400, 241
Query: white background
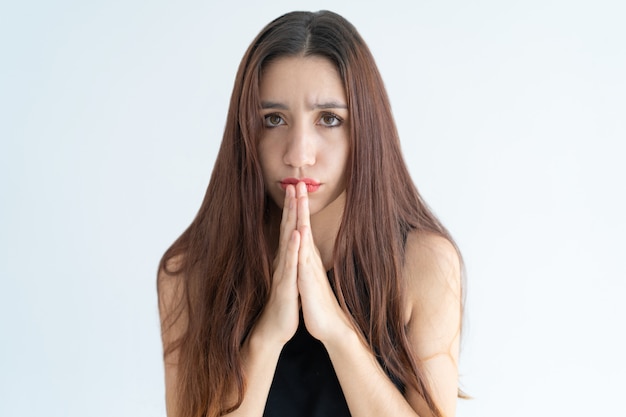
511, 116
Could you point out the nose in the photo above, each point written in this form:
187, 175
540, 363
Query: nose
300, 148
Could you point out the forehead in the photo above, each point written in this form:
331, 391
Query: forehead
313, 76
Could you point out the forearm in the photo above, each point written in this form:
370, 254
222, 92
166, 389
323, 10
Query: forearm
260, 360
368, 390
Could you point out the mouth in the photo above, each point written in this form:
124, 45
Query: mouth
311, 184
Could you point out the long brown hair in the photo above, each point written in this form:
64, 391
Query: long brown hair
225, 259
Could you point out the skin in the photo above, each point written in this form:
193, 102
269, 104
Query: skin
304, 108
302, 139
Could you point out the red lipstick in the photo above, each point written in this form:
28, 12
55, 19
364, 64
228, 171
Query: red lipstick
311, 184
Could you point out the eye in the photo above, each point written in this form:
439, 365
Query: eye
330, 120
273, 120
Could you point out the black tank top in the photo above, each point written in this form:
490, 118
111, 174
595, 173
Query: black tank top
305, 383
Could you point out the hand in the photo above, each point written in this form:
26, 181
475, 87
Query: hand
323, 316
280, 317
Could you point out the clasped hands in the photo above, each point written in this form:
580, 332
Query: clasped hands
299, 280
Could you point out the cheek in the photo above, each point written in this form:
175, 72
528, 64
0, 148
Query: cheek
264, 155
341, 161
267, 162
268, 151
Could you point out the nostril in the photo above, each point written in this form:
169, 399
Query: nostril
299, 153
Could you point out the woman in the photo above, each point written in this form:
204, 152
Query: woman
314, 281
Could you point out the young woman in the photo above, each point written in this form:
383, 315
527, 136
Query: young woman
314, 280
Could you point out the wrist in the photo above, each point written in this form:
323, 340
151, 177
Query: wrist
261, 341
344, 336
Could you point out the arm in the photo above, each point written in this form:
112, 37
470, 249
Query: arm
279, 320
433, 310
260, 352
433, 271
260, 356
173, 324
433, 282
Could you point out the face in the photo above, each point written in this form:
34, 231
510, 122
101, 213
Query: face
305, 130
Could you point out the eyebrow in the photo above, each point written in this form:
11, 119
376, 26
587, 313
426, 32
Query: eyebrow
315, 106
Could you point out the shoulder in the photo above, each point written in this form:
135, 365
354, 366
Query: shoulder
169, 279
432, 273
172, 308
430, 258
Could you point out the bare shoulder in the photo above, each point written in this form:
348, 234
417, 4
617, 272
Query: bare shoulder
170, 284
172, 307
432, 270
431, 257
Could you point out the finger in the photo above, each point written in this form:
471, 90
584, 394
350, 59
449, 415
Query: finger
309, 252
291, 255
306, 242
304, 215
280, 314
286, 276
288, 221
290, 194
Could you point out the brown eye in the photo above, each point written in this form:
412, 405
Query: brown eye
273, 120
330, 120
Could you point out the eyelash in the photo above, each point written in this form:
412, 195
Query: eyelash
338, 119
336, 122
267, 118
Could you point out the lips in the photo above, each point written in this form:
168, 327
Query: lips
311, 184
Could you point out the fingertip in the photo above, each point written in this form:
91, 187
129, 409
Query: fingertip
288, 192
289, 197
302, 191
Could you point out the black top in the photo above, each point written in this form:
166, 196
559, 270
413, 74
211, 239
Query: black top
305, 383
